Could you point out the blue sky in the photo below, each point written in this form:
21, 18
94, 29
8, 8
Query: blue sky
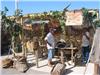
29, 6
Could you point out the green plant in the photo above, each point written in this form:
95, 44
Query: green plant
97, 23
10, 26
89, 17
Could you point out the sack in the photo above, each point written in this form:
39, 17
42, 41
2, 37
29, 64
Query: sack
58, 69
6, 63
21, 64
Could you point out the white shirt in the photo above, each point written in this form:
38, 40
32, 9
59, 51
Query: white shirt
51, 40
85, 41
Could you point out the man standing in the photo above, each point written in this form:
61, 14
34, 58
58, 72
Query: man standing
85, 45
50, 40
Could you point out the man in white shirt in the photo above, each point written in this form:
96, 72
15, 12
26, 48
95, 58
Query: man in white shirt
85, 45
50, 40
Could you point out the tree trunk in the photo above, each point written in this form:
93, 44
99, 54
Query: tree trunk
13, 47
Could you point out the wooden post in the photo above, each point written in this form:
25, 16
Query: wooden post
36, 48
12, 43
72, 53
96, 67
62, 56
36, 53
23, 40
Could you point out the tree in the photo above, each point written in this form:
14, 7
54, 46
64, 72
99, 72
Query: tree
17, 29
18, 13
9, 26
97, 23
63, 16
89, 17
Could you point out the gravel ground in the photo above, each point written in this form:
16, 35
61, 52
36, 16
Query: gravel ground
11, 71
45, 70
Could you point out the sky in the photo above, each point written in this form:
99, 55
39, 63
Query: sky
38, 6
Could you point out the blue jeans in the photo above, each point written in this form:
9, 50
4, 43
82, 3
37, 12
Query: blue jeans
85, 53
51, 53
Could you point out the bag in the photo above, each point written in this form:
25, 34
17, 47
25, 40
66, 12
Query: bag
6, 63
58, 69
21, 64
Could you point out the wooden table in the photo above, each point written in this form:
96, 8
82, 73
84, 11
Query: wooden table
61, 50
72, 49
